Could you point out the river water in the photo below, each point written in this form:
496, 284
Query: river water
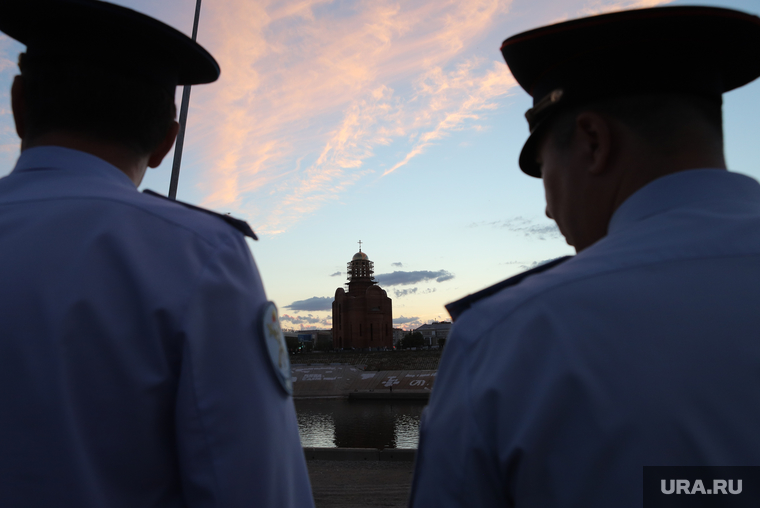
341, 423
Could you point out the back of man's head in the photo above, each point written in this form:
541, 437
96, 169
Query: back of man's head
665, 66
99, 71
667, 125
595, 155
96, 102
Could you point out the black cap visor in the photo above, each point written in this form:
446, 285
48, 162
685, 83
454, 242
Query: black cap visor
104, 34
684, 50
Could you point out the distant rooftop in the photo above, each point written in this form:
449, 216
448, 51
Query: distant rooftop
436, 326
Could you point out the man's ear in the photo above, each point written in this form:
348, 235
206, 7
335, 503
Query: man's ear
157, 155
594, 132
18, 104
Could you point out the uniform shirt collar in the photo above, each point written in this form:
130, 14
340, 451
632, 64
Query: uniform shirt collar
81, 164
683, 189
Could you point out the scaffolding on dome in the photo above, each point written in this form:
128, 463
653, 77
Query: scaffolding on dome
360, 269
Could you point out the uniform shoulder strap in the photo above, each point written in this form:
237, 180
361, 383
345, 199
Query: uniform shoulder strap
238, 224
457, 308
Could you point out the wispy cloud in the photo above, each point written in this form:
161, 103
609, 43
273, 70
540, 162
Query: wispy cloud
9, 142
535, 264
305, 322
336, 274
311, 304
398, 278
400, 293
310, 319
311, 88
527, 227
402, 320
601, 6
399, 265
457, 98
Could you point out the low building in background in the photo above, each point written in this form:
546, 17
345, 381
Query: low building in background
321, 340
398, 334
308, 340
434, 331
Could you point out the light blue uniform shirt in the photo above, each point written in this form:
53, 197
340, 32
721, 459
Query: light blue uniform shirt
133, 367
644, 349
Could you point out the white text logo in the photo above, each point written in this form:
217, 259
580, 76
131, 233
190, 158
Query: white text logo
682, 487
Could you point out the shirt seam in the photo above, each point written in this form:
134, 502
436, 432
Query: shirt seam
587, 277
726, 181
629, 222
472, 420
204, 428
61, 158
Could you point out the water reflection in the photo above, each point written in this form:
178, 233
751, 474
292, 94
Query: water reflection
359, 424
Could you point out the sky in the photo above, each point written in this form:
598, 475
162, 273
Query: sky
393, 123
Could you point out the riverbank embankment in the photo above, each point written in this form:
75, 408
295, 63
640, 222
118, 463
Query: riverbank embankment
366, 477
373, 360
360, 477
360, 454
365, 484
327, 381
383, 375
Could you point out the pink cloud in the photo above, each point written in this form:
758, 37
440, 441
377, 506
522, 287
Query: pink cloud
311, 89
600, 6
308, 322
308, 91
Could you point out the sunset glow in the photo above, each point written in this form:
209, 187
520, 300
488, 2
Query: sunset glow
392, 122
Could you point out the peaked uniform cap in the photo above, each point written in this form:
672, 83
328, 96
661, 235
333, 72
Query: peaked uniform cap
687, 50
104, 34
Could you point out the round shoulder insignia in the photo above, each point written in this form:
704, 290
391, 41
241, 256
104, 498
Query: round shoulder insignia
276, 347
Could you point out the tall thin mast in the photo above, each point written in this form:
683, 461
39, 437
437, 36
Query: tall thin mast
182, 119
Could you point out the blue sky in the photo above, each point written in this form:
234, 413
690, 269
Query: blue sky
392, 122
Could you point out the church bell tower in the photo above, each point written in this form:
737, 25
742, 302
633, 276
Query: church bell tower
362, 317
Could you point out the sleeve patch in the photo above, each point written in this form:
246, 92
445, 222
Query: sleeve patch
276, 346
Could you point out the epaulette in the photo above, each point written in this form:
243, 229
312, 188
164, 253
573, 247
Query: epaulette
457, 308
238, 224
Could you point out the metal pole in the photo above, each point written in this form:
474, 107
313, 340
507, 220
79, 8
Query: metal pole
182, 119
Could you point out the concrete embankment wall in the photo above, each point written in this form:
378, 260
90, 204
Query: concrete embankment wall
339, 380
373, 360
360, 454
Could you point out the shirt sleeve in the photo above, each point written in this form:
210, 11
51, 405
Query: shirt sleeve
455, 467
237, 434
501, 406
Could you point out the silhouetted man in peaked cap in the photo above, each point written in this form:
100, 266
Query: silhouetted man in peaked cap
140, 361
558, 386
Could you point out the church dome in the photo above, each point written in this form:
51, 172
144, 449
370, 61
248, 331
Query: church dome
359, 255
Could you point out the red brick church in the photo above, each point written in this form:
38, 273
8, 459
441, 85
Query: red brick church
362, 317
